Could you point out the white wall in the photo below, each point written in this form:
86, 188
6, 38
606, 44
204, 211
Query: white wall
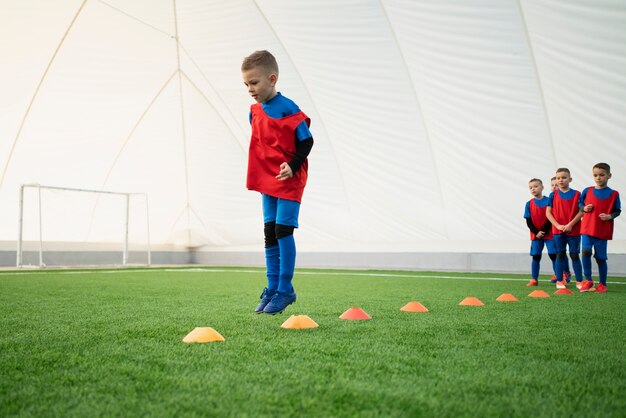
429, 117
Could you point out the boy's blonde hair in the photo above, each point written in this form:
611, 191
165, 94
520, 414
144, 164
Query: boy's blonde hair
260, 59
533, 179
563, 170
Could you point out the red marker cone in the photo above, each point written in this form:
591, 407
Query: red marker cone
355, 314
563, 292
471, 301
414, 307
538, 294
507, 297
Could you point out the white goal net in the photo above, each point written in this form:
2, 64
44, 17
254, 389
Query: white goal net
66, 227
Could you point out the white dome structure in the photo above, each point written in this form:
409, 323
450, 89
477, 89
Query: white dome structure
429, 118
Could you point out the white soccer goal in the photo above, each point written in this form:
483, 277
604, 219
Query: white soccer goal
66, 227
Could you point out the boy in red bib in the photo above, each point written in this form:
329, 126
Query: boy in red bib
540, 229
565, 217
277, 168
600, 205
567, 275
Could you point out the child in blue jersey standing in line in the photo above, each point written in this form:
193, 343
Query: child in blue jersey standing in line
540, 229
600, 205
278, 169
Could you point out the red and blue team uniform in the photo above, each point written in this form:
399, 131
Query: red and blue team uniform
278, 127
596, 232
535, 211
564, 208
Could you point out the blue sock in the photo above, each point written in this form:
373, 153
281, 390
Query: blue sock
272, 263
603, 271
287, 263
534, 268
578, 269
566, 266
587, 266
558, 269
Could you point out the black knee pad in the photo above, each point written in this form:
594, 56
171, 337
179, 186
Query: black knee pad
600, 260
586, 253
270, 234
560, 255
552, 256
283, 231
537, 257
574, 257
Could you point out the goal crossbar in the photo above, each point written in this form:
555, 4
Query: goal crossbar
39, 187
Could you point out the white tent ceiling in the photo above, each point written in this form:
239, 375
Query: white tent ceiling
429, 116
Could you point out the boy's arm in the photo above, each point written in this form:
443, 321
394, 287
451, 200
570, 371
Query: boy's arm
551, 218
531, 226
574, 221
303, 148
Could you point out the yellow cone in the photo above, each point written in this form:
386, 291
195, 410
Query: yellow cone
299, 322
203, 335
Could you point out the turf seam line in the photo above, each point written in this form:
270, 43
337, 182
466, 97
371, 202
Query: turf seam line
311, 273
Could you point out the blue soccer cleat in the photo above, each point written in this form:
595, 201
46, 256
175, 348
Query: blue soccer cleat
279, 302
266, 297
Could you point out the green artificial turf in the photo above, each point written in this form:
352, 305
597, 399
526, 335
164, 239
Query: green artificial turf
109, 343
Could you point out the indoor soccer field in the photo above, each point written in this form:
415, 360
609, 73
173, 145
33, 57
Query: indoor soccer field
79, 343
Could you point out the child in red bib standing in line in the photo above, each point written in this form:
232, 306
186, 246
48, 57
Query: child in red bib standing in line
565, 217
540, 229
567, 275
600, 205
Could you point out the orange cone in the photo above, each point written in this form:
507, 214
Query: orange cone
299, 322
203, 335
563, 292
538, 294
471, 301
355, 314
507, 297
414, 307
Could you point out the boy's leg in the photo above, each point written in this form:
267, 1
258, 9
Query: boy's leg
586, 256
601, 257
272, 252
566, 269
574, 253
272, 256
551, 247
286, 220
536, 247
560, 244
287, 246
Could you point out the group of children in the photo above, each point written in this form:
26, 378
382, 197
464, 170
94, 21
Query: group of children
277, 168
571, 220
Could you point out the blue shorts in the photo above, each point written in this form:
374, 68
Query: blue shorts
598, 244
536, 246
281, 211
562, 241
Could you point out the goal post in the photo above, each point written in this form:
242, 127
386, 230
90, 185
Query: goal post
63, 226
